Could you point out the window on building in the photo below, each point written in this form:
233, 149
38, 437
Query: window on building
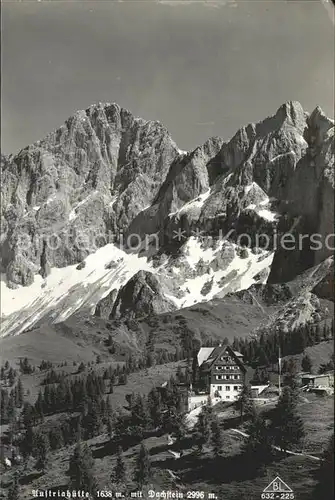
227, 387
219, 387
228, 397
235, 388
235, 377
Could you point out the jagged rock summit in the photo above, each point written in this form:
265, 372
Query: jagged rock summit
95, 173
141, 296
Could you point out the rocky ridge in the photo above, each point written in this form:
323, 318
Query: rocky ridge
107, 175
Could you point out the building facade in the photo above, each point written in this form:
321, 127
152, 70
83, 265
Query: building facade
320, 380
222, 372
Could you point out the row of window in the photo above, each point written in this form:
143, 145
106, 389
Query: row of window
227, 377
229, 368
227, 388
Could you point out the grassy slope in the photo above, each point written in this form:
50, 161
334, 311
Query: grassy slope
319, 354
225, 478
82, 339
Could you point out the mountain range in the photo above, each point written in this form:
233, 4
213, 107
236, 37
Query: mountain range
107, 219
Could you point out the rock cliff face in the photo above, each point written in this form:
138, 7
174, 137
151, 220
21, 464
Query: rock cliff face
105, 175
105, 305
140, 297
85, 181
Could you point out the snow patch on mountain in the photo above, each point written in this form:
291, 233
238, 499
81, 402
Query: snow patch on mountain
194, 251
193, 205
251, 186
267, 215
262, 209
239, 275
213, 276
67, 289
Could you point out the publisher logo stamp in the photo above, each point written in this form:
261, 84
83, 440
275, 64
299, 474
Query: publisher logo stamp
277, 490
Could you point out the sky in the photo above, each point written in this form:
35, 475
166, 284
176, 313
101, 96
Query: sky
201, 68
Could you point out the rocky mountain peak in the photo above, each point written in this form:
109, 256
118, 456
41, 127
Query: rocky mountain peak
291, 113
98, 170
141, 296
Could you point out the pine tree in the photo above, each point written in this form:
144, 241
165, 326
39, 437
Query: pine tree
201, 430
28, 442
11, 376
287, 427
41, 448
92, 421
4, 400
263, 359
325, 475
81, 469
195, 368
143, 467
19, 393
155, 407
81, 367
119, 473
56, 438
209, 409
244, 404
306, 364
258, 447
290, 378
179, 428
139, 413
216, 438
14, 490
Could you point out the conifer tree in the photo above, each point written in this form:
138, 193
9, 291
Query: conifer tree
325, 475
258, 447
287, 427
243, 403
216, 437
209, 408
290, 378
56, 438
14, 490
27, 443
11, 376
19, 393
139, 412
155, 407
41, 447
143, 467
81, 469
119, 473
179, 428
92, 421
201, 430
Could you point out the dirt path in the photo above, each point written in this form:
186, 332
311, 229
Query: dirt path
244, 434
